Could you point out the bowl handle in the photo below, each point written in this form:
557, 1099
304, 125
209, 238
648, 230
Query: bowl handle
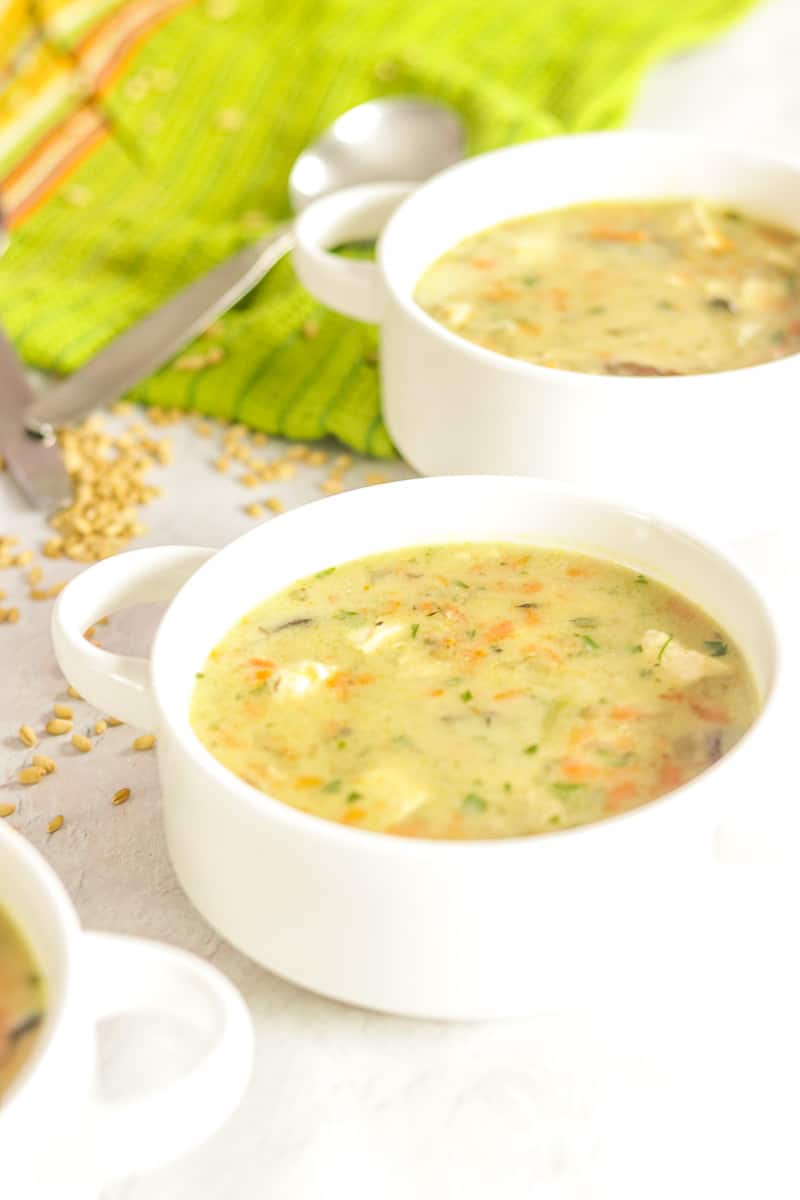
349, 287
117, 683
129, 975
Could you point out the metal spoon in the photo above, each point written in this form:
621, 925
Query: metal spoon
397, 138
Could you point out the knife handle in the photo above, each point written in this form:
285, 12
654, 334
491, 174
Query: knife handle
149, 343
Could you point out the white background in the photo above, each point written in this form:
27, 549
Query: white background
692, 1095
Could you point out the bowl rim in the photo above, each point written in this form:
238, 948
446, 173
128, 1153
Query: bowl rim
65, 922
306, 824
678, 386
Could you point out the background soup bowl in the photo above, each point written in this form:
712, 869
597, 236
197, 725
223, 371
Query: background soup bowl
442, 929
58, 1137
715, 451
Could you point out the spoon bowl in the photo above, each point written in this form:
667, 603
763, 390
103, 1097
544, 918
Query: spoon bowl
394, 138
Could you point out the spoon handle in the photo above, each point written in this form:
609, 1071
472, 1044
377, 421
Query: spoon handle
149, 343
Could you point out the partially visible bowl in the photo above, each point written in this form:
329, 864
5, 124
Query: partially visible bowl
715, 451
436, 929
58, 1137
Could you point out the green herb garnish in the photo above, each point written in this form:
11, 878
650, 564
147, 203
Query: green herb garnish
474, 803
199, 675
414, 630
333, 786
532, 749
327, 571
642, 579
352, 797
588, 641
716, 647
565, 789
460, 583
584, 622
466, 696
661, 651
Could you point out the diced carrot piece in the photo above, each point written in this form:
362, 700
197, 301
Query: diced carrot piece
709, 712
531, 586
670, 776
307, 781
531, 616
353, 816
550, 653
602, 233
497, 632
474, 654
576, 572
261, 662
483, 264
500, 291
626, 712
510, 695
580, 770
620, 797
560, 298
673, 697
437, 692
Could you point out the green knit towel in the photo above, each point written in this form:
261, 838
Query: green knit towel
209, 116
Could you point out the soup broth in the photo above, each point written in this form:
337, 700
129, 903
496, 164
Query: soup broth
22, 999
624, 288
472, 691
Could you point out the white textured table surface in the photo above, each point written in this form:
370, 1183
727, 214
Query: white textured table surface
682, 1100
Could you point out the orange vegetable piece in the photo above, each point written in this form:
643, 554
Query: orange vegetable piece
500, 291
531, 587
437, 692
307, 781
603, 233
670, 776
509, 695
483, 264
579, 770
625, 712
353, 816
709, 712
502, 629
621, 792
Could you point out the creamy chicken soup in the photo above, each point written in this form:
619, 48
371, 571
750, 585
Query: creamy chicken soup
472, 691
625, 288
22, 1000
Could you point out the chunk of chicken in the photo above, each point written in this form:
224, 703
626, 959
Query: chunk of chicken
457, 313
678, 662
388, 795
370, 638
300, 678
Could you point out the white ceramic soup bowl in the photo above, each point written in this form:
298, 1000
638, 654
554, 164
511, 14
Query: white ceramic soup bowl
59, 1139
443, 929
714, 451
